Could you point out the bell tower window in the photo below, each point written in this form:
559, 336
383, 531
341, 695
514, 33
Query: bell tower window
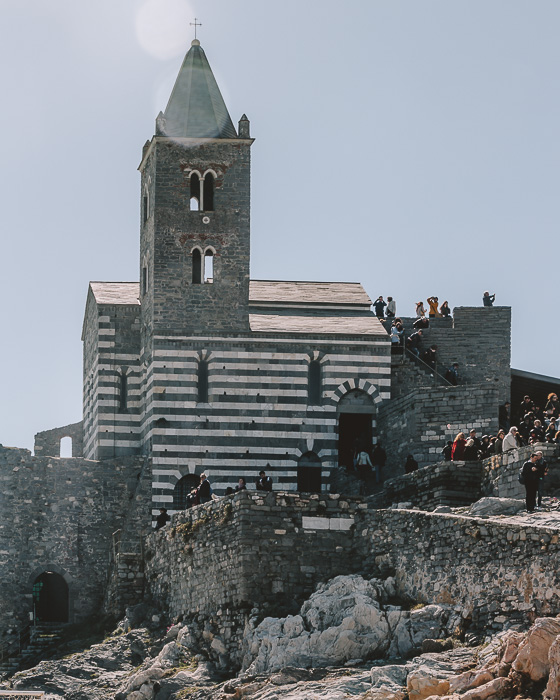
209, 266
194, 202
196, 266
202, 382
208, 190
314, 388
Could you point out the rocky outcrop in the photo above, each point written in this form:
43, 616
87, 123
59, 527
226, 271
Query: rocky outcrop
346, 618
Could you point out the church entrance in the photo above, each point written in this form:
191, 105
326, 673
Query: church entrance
50, 597
355, 431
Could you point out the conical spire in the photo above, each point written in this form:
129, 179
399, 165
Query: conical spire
196, 108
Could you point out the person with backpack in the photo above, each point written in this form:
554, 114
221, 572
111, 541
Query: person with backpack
529, 477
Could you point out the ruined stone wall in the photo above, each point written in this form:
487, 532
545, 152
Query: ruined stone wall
493, 571
421, 422
59, 515
215, 562
47, 443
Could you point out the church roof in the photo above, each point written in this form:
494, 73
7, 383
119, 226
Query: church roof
308, 293
116, 292
196, 108
330, 325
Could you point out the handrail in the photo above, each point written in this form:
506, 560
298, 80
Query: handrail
433, 370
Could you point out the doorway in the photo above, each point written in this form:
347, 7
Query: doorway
50, 596
354, 434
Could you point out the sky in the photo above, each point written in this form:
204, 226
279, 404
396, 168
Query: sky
410, 145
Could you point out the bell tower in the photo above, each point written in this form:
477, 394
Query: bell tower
195, 212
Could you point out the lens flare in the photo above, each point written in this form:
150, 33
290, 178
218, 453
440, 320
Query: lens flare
163, 27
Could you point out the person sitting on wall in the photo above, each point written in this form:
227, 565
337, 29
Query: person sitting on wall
444, 310
204, 490
470, 453
241, 485
458, 449
379, 306
391, 307
264, 482
192, 498
488, 299
162, 519
452, 374
433, 303
411, 465
510, 440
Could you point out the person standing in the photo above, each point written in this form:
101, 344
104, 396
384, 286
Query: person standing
414, 341
162, 519
530, 476
488, 299
204, 490
379, 306
378, 460
504, 416
452, 374
458, 449
420, 310
433, 303
391, 307
264, 482
444, 310
364, 465
542, 471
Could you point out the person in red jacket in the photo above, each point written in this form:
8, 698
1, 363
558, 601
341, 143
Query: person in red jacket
458, 449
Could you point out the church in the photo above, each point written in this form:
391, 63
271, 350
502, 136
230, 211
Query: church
200, 368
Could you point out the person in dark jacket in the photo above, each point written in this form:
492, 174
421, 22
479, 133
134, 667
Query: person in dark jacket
446, 452
264, 482
452, 374
414, 342
241, 485
530, 474
444, 309
162, 519
504, 415
411, 465
204, 490
542, 470
378, 460
379, 306
470, 453
488, 299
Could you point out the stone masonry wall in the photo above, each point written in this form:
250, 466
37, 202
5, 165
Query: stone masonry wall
492, 571
421, 422
216, 562
47, 443
58, 515
479, 339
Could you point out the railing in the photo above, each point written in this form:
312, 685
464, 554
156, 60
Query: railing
405, 352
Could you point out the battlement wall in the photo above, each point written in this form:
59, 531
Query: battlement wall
493, 571
58, 514
47, 443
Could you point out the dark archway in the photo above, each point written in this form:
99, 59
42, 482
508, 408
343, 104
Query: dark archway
309, 473
355, 429
50, 597
182, 489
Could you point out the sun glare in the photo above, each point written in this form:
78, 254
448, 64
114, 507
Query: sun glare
163, 27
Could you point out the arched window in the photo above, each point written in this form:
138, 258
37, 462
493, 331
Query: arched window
202, 382
208, 191
123, 392
309, 473
196, 266
314, 381
209, 266
182, 489
66, 447
195, 192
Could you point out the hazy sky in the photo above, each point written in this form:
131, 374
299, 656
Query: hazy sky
409, 145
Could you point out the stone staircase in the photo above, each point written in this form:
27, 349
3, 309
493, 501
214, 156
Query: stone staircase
30, 648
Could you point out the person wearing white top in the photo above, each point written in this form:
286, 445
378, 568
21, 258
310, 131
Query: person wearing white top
509, 442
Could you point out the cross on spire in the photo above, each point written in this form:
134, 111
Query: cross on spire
195, 24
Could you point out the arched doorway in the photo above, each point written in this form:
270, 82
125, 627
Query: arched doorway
355, 429
50, 597
309, 473
182, 489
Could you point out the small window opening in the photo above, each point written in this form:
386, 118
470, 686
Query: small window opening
123, 392
195, 192
144, 279
208, 192
145, 208
202, 384
66, 447
209, 267
196, 266
314, 383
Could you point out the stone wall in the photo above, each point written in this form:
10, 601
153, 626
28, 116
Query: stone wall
421, 422
47, 443
479, 339
493, 571
59, 515
216, 562
447, 483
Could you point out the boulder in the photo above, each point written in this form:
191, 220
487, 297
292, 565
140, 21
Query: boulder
532, 657
552, 691
497, 506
